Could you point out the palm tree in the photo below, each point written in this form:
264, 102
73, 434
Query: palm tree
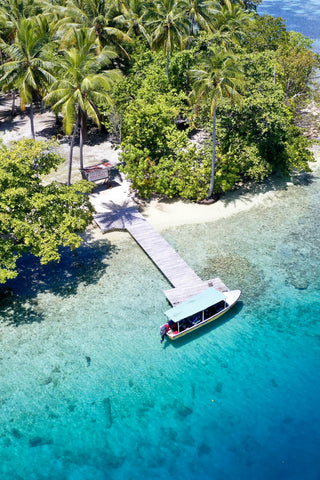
81, 87
168, 26
219, 76
95, 14
28, 69
201, 14
229, 24
13, 11
132, 18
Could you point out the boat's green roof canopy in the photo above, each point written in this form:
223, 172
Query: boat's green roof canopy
195, 304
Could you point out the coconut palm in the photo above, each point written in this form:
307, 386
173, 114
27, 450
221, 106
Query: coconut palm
229, 24
132, 18
83, 84
200, 14
95, 14
219, 76
12, 11
166, 20
28, 69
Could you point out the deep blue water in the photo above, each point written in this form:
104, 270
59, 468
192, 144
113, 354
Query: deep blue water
88, 393
301, 16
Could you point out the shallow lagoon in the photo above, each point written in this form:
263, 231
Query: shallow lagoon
87, 394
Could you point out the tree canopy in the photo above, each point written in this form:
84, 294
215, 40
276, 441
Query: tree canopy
70, 53
36, 217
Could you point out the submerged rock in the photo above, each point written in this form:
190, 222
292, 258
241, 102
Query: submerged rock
46, 381
193, 391
39, 441
15, 432
300, 284
107, 410
204, 449
274, 383
184, 411
219, 387
35, 442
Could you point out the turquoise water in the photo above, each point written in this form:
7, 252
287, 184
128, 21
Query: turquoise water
88, 392
300, 15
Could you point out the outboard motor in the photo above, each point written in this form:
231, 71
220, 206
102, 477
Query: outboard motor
163, 331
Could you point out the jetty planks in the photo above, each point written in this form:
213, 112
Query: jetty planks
162, 254
184, 292
186, 282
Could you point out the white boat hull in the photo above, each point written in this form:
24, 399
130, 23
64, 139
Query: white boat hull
231, 298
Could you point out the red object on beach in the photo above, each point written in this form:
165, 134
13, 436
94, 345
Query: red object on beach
97, 172
98, 167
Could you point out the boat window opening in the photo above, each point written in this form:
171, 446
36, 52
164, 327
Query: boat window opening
189, 322
209, 312
173, 326
197, 318
214, 309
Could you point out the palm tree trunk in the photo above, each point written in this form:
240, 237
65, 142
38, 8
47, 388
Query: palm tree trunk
193, 23
213, 152
81, 139
13, 107
71, 150
168, 63
32, 121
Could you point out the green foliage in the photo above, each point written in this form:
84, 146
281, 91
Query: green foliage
181, 64
180, 169
28, 69
249, 163
259, 68
81, 84
260, 138
34, 217
84, 44
157, 156
298, 154
147, 127
264, 33
220, 76
295, 62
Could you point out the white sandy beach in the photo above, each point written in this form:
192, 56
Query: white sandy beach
161, 214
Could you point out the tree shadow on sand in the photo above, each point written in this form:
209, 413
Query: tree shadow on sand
84, 266
46, 125
118, 217
11, 123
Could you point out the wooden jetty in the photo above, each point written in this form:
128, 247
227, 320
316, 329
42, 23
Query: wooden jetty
185, 281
